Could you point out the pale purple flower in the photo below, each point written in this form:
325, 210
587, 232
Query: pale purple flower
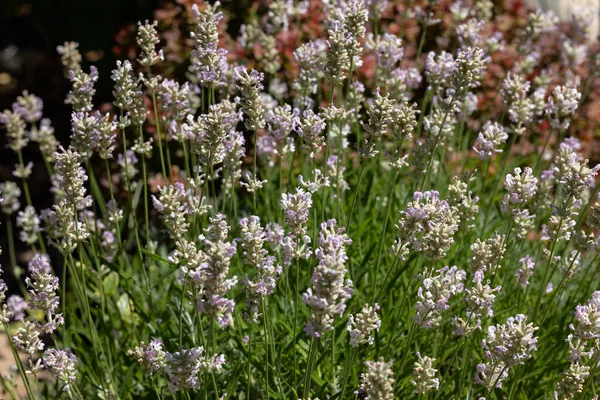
80, 97
44, 288
310, 128
16, 306
329, 292
9, 202
29, 107
424, 376
151, 357
212, 277
434, 294
361, 326
378, 382
587, 319
63, 365
184, 367
489, 140
525, 271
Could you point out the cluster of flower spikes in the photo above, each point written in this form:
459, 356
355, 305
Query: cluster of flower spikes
584, 342
505, 346
182, 368
43, 287
435, 293
427, 225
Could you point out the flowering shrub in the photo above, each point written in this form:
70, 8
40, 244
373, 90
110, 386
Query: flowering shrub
351, 218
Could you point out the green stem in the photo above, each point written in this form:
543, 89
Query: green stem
19, 363
382, 238
159, 136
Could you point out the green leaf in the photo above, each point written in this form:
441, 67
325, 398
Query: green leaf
111, 282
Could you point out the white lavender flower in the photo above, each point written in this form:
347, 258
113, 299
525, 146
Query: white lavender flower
488, 254
355, 17
470, 68
147, 39
69, 56
296, 208
44, 136
208, 63
210, 132
490, 374
424, 375
435, 293
29, 107
15, 130
572, 382
9, 202
561, 106
361, 326
43, 290
480, 298
63, 365
521, 186
29, 223
329, 292
151, 357
309, 64
250, 87
520, 108
489, 140
505, 346
388, 51
319, 181
16, 306
380, 116
587, 319
525, 271
23, 171
70, 179
127, 163
27, 338
378, 382
439, 68
125, 89
427, 225
376, 8
212, 277
172, 209
404, 121
264, 283
81, 95
310, 128
183, 367
338, 59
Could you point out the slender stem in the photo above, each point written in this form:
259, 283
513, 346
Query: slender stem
360, 175
160, 147
266, 350
382, 239
309, 368
538, 302
249, 370
347, 370
296, 305
19, 363
435, 143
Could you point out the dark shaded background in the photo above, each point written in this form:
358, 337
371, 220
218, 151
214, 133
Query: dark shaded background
29, 34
